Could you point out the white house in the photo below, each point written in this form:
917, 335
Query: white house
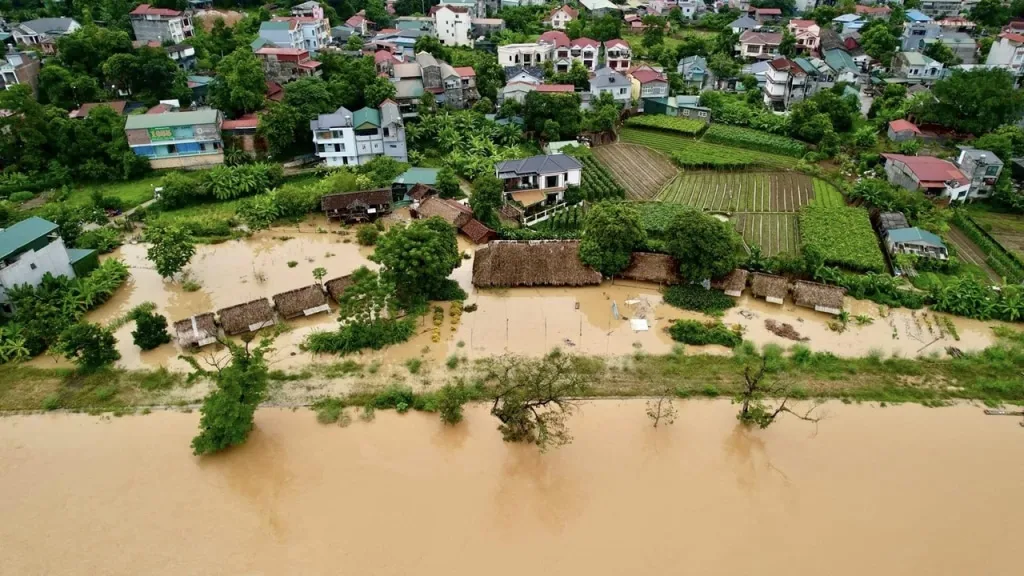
453, 26
539, 181
613, 82
43, 32
785, 83
559, 18
345, 138
160, 24
617, 54
529, 54
31, 249
1008, 52
585, 50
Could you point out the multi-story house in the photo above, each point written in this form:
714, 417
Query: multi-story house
517, 91
759, 45
347, 138
647, 83
20, 68
934, 176
785, 84
33, 248
916, 67
279, 34
935, 8
982, 169
820, 76
807, 33
766, 15
695, 73
609, 80
282, 65
309, 9
585, 50
916, 30
529, 54
538, 183
617, 54
184, 55
160, 24
460, 90
485, 26
847, 23
453, 25
313, 33
43, 32
360, 23
559, 18
881, 12
689, 9
1008, 52
961, 44
177, 139
475, 8
743, 24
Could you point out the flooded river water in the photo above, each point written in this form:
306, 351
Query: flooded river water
901, 490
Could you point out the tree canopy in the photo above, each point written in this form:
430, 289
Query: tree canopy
611, 232
975, 101
704, 246
418, 258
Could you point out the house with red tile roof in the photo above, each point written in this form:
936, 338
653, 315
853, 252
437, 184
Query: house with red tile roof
933, 176
559, 18
902, 130
759, 45
785, 83
617, 54
1008, 52
647, 82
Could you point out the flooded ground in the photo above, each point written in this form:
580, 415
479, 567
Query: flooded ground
884, 491
532, 321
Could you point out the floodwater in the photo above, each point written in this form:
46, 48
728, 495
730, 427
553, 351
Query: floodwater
884, 491
532, 321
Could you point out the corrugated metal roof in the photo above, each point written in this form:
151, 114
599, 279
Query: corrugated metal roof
915, 235
541, 164
19, 235
191, 118
366, 116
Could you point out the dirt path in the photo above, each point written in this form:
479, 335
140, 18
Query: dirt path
970, 252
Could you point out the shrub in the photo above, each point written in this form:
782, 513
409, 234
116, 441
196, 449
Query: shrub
393, 397
19, 197
449, 401
104, 239
89, 345
292, 263
841, 236
668, 123
414, 365
701, 334
695, 297
357, 336
150, 331
366, 235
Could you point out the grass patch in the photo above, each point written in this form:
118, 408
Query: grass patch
132, 193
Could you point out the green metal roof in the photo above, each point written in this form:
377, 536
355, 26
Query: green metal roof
258, 43
191, 118
275, 25
24, 233
365, 116
917, 59
426, 176
840, 60
915, 235
76, 254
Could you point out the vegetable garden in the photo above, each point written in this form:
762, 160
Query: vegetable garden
641, 170
690, 153
843, 236
668, 123
741, 191
774, 233
754, 140
598, 183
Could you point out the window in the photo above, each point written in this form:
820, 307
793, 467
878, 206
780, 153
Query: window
550, 181
337, 147
622, 91
321, 148
686, 112
702, 114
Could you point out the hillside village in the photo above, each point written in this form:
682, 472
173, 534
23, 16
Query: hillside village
344, 174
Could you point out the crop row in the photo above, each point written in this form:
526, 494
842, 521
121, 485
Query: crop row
741, 192
669, 123
842, 236
754, 140
598, 183
827, 195
690, 153
774, 233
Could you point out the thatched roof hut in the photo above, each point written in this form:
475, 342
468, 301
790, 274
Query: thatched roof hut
770, 287
248, 317
732, 283
821, 297
336, 286
196, 331
420, 191
507, 263
304, 301
450, 211
478, 232
651, 267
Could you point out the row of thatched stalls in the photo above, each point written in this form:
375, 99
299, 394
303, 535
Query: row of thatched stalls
204, 329
511, 263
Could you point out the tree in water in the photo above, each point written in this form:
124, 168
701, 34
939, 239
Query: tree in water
661, 409
754, 399
228, 410
172, 248
533, 399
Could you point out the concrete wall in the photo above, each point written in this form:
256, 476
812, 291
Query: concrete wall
197, 161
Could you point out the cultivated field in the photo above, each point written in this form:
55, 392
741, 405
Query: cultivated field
641, 170
1007, 229
774, 233
699, 153
741, 191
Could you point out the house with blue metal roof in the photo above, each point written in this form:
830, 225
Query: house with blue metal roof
32, 249
917, 242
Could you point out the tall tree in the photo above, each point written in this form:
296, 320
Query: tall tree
66, 89
975, 101
171, 247
611, 232
755, 394
240, 84
941, 53
879, 42
487, 198
418, 258
704, 246
89, 345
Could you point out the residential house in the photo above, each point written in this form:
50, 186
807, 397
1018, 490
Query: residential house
915, 241
184, 55
743, 24
160, 24
759, 45
916, 67
647, 83
956, 24
453, 26
459, 84
807, 33
689, 9
384, 63
346, 138
820, 76
609, 80
849, 22
362, 206
200, 87
279, 34
845, 67
423, 24
526, 54
770, 287
766, 15
617, 54
309, 9
486, 26
935, 8
534, 74
785, 84
43, 32
934, 176
20, 68
559, 18
695, 73
242, 133
475, 8
360, 24
902, 130
961, 44
33, 248
682, 106
538, 183
282, 65
177, 139
881, 12
598, 8
1008, 52
410, 184
584, 50
916, 30
982, 169
314, 33
83, 111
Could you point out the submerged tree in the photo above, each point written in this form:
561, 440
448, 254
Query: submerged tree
450, 399
661, 409
228, 410
611, 232
150, 330
91, 346
533, 398
756, 395
172, 248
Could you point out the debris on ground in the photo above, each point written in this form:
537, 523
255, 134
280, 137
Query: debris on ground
784, 330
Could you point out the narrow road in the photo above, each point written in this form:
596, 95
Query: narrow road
970, 252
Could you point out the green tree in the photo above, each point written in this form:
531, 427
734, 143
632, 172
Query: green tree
66, 89
367, 235
975, 101
723, 66
433, 46
879, 42
704, 246
228, 411
788, 45
418, 258
277, 127
427, 105
654, 31
611, 232
448, 183
171, 247
755, 395
377, 13
562, 109
941, 53
86, 49
450, 399
150, 330
992, 13
318, 275
240, 84
354, 43
487, 198
378, 91
88, 345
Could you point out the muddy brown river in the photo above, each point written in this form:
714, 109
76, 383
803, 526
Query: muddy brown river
899, 490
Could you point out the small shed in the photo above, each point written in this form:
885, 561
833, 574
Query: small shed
891, 221
732, 283
196, 331
903, 130
361, 206
247, 317
420, 191
770, 287
510, 263
477, 232
450, 211
336, 286
821, 297
651, 267
304, 301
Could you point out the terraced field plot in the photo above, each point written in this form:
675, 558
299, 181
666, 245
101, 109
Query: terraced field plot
1007, 229
774, 233
642, 171
741, 191
696, 150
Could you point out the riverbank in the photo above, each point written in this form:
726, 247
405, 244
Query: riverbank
900, 490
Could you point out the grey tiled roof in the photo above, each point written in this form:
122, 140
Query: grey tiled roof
542, 164
340, 118
513, 71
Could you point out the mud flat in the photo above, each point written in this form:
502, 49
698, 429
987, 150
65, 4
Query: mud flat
899, 490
